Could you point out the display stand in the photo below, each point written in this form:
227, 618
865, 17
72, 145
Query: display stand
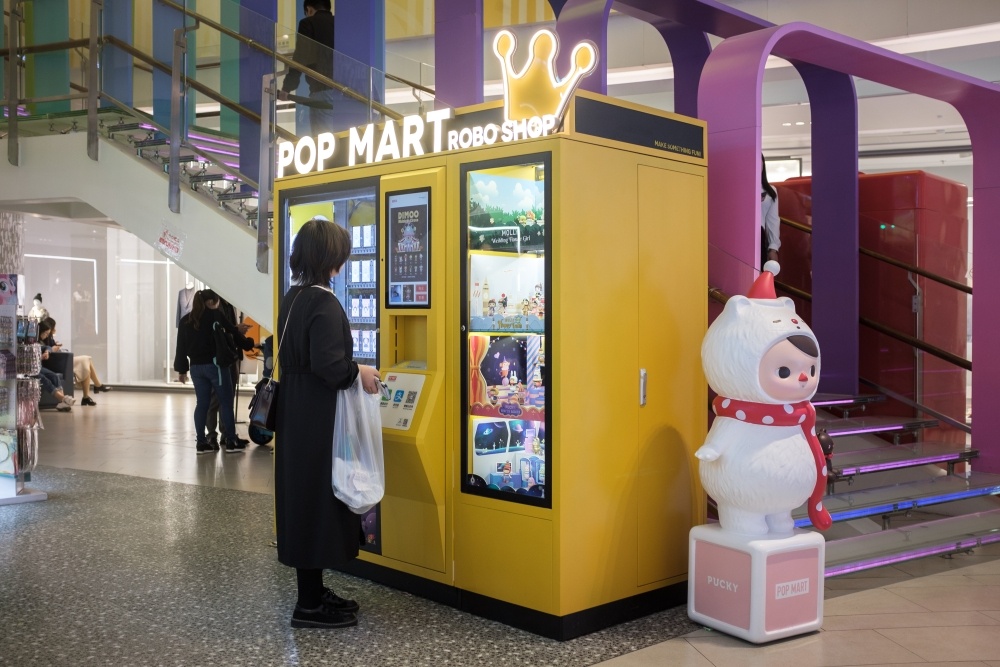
757, 589
20, 358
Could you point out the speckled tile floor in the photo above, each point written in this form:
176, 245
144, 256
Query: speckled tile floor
146, 554
121, 570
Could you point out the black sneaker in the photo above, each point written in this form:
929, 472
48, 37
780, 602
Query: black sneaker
323, 616
340, 604
213, 440
234, 446
203, 447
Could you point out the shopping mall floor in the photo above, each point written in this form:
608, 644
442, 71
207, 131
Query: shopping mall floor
146, 554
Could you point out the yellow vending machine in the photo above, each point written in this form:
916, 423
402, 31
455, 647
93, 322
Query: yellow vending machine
536, 300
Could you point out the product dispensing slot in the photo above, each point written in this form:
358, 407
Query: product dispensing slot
410, 339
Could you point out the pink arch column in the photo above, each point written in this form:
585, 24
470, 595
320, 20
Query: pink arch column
729, 100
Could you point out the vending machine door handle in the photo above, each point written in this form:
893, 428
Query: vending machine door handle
642, 386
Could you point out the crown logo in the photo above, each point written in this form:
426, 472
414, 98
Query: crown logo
536, 90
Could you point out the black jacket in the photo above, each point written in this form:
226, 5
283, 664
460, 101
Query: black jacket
198, 345
313, 49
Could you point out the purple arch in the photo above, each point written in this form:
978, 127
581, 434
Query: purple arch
579, 20
458, 58
683, 24
729, 101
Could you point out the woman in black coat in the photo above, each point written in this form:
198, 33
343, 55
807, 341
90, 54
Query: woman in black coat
196, 352
315, 530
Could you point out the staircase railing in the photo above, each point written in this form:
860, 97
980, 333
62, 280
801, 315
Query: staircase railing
916, 342
196, 83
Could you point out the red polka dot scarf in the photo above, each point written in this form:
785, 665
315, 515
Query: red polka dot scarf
801, 414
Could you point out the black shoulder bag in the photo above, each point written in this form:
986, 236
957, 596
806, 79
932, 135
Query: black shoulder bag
264, 404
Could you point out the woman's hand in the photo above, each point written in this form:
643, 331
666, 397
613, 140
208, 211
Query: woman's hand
56, 348
369, 379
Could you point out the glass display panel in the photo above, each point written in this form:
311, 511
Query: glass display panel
408, 248
504, 296
353, 206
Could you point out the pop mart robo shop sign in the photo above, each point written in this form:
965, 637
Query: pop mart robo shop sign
534, 101
411, 136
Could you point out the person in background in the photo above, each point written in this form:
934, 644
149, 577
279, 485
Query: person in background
770, 232
196, 352
227, 311
50, 380
315, 530
84, 374
314, 49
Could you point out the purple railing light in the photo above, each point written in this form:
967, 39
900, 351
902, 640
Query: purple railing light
902, 556
904, 505
870, 429
205, 137
209, 149
905, 463
230, 164
146, 126
845, 401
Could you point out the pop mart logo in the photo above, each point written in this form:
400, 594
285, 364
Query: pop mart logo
409, 137
535, 100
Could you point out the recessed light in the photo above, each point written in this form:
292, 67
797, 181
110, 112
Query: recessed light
786, 125
799, 122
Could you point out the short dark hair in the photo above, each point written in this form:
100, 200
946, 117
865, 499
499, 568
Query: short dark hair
317, 4
320, 248
805, 344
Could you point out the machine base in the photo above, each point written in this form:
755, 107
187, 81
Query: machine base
561, 628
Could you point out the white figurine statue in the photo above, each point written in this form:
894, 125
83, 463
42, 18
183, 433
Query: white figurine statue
761, 458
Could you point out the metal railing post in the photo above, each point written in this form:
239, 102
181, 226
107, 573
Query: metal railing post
93, 78
178, 114
266, 174
13, 44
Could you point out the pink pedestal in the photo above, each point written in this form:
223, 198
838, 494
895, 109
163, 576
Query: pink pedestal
757, 589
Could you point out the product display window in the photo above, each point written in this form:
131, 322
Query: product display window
506, 432
355, 207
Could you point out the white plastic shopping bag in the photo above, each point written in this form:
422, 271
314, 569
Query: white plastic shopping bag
358, 466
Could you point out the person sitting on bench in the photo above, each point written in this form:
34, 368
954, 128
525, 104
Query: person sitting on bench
51, 384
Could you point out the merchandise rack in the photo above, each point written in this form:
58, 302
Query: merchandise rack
20, 358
